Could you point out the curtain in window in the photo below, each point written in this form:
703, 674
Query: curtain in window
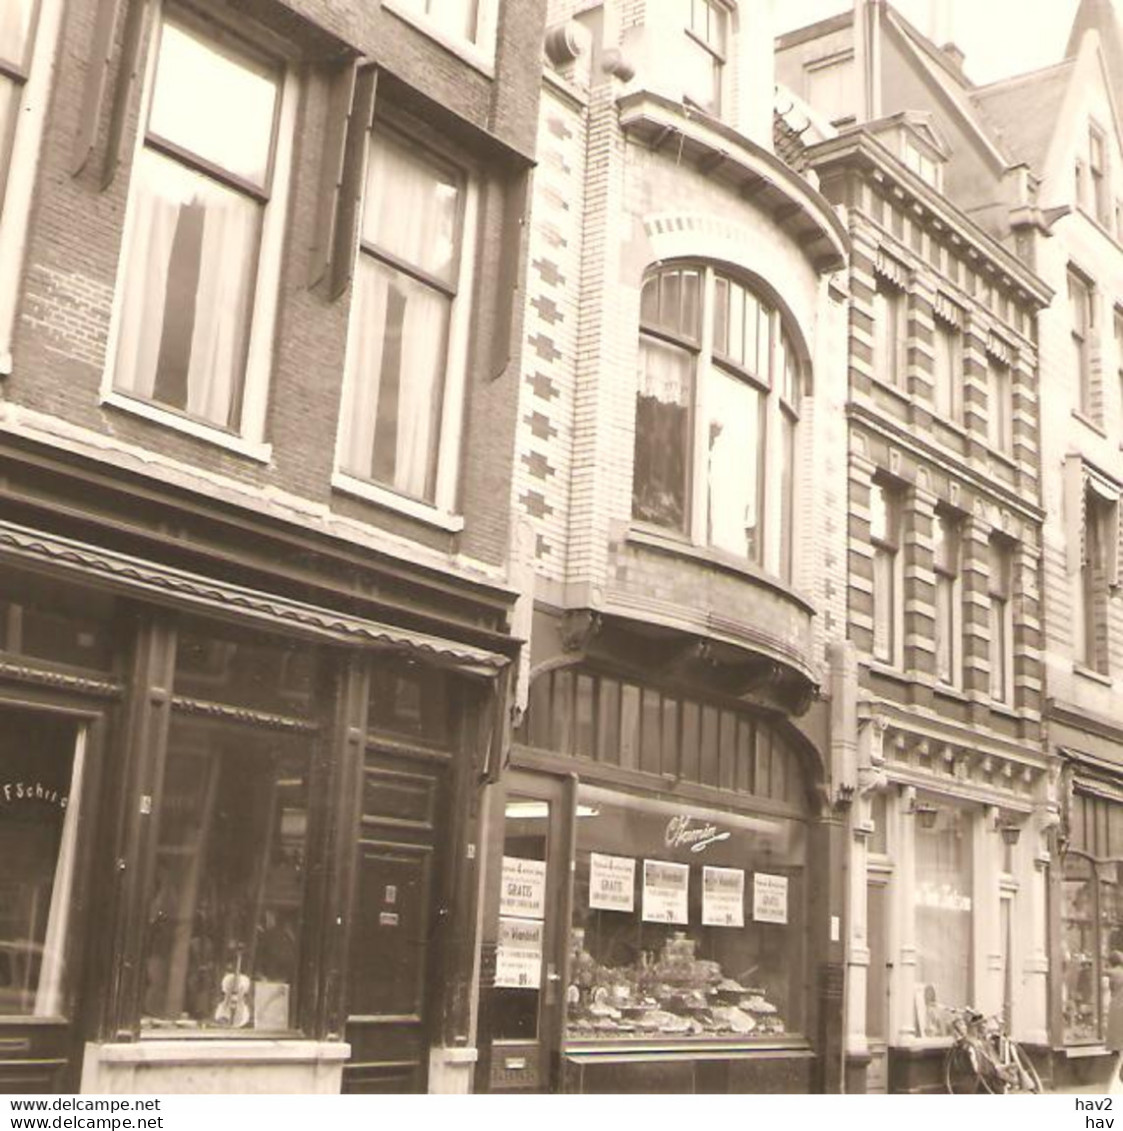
733, 487
189, 281
393, 426
662, 433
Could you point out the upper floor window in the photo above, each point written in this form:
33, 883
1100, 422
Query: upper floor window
948, 606
922, 164
1117, 326
707, 37
1081, 317
1096, 537
716, 413
1001, 619
1000, 405
17, 28
888, 605
400, 425
889, 333
1097, 167
947, 371
199, 198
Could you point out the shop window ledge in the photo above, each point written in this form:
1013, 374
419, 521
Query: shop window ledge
621, 1051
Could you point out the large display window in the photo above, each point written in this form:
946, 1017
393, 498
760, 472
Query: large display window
687, 922
943, 917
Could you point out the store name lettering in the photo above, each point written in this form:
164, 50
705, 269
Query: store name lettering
683, 833
32, 791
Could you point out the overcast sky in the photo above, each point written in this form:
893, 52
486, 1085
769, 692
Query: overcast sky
999, 37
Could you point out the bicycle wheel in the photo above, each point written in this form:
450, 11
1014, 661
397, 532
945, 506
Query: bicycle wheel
1031, 1082
960, 1073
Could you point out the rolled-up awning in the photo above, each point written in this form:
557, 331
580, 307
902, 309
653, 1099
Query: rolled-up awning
138, 577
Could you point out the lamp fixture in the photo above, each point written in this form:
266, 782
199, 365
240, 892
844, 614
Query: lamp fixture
1010, 833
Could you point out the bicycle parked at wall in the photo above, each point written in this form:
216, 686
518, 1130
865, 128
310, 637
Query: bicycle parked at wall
985, 1058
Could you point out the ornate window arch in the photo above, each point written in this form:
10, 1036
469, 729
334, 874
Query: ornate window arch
717, 412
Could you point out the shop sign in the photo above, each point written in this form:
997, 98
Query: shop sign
770, 898
683, 832
518, 955
723, 897
13, 791
665, 888
612, 882
943, 898
523, 889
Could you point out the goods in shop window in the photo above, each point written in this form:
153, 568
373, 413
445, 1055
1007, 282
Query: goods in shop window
672, 993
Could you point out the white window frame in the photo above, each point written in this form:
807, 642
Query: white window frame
720, 58
1000, 405
250, 438
1099, 174
952, 578
17, 190
953, 376
773, 554
891, 546
1082, 334
443, 512
478, 52
1001, 604
890, 333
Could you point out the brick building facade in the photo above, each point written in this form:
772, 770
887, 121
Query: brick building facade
257, 621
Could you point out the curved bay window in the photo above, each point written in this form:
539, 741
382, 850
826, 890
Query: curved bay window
717, 406
1091, 915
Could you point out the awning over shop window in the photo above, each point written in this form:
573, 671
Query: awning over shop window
64, 557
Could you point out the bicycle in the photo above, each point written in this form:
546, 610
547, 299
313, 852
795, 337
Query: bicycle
985, 1058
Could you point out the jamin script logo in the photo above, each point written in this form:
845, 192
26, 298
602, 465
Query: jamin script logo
682, 832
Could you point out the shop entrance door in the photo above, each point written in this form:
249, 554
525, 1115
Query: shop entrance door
42, 767
877, 985
525, 917
393, 960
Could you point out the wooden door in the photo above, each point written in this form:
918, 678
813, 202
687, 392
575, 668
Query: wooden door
526, 917
44, 768
396, 922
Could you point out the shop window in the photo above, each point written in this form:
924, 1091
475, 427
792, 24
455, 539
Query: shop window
703, 62
202, 199
943, 918
642, 728
44, 619
225, 916
890, 333
947, 371
717, 409
17, 29
949, 613
1000, 406
888, 574
1081, 324
687, 923
41, 771
1001, 619
400, 428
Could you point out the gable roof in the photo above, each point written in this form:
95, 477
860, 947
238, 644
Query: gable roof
1023, 111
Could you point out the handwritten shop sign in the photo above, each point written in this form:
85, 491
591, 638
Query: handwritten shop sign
518, 955
612, 882
523, 890
723, 897
665, 887
770, 898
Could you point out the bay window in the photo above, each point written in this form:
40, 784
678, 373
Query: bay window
201, 190
717, 409
707, 32
401, 418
